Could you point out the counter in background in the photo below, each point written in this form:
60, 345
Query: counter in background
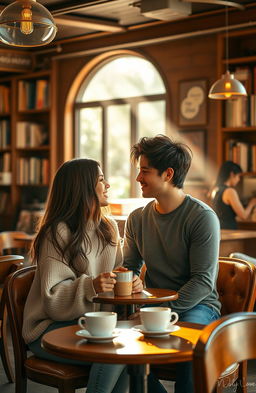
238, 241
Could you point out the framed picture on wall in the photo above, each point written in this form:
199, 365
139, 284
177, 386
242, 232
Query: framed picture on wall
196, 141
192, 103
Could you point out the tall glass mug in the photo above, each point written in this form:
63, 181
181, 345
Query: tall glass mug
123, 286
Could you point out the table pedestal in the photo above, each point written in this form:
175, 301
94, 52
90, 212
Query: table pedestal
138, 377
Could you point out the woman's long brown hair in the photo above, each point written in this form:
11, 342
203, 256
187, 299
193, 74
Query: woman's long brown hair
74, 201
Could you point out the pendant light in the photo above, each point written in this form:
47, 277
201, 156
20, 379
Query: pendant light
26, 23
227, 87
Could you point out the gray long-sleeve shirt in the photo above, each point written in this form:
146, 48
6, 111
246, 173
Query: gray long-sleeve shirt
180, 250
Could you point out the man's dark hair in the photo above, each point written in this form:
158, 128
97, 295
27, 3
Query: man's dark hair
163, 153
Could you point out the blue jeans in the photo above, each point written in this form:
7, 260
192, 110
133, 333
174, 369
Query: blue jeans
103, 378
184, 371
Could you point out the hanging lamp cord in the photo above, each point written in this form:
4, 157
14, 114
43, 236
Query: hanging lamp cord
227, 38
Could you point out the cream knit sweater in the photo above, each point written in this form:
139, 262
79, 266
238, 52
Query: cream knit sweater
58, 293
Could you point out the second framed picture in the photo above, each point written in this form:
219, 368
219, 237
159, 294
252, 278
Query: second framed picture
192, 102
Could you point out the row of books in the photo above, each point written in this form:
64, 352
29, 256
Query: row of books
240, 112
5, 162
33, 170
247, 76
30, 134
4, 198
33, 94
242, 153
4, 99
5, 134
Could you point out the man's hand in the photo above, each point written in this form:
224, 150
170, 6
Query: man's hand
137, 285
104, 282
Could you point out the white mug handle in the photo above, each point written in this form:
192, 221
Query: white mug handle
81, 322
176, 317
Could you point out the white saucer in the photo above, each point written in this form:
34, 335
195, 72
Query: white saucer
149, 333
97, 339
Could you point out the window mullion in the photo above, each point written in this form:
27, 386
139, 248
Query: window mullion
134, 138
104, 162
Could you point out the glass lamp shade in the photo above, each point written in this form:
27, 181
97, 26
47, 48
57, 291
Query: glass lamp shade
26, 23
227, 87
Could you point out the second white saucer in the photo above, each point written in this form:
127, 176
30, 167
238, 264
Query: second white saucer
149, 333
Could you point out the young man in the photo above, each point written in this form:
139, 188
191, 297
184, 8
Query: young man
176, 235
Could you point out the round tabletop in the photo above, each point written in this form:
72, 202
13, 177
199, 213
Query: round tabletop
129, 347
147, 296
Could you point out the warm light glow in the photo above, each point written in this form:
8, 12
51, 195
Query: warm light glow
26, 24
228, 85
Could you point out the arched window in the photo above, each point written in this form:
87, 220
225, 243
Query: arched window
121, 101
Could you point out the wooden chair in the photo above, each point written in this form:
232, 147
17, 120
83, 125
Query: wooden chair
8, 264
230, 339
66, 378
236, 285
15, 242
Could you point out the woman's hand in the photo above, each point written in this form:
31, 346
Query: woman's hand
104, 282
137, 285
121, 269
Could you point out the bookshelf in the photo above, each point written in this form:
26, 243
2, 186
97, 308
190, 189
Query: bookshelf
27, 143
237, 118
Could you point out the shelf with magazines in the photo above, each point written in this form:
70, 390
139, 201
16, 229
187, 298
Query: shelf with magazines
27, 146
237, 118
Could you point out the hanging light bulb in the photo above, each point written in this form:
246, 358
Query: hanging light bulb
26, 23
227, 87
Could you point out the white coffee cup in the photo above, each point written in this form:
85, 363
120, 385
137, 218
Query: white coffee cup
99, 323
157, 318
123, 285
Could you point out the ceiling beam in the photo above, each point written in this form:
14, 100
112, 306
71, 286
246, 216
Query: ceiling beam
74, 6
88, 23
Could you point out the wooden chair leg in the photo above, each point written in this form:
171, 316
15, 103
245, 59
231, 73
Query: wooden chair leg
4, 343
242, 378
66, 388
21, 385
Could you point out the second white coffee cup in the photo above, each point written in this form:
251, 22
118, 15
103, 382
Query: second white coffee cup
99, 323
157, 318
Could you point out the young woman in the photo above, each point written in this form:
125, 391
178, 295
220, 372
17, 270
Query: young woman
75, 250
226, 201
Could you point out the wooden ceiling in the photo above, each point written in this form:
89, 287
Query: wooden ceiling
81, 18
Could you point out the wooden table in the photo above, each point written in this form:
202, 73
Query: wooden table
147, 296
130, 348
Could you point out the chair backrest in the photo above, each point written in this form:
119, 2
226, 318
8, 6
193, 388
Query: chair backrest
228, 340
236, 285
16, 290
8, 264
13, 242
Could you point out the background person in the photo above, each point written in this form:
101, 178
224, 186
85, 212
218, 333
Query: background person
225, 199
